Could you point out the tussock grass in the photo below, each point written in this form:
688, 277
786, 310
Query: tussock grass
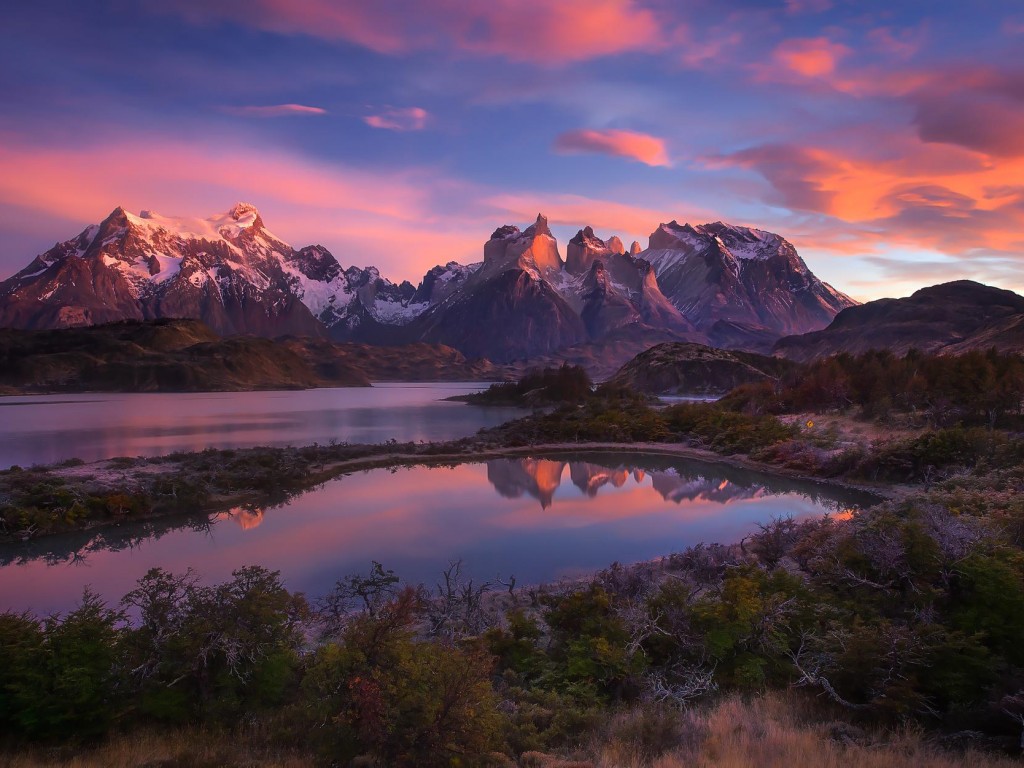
780, 731
185, 748
770, 731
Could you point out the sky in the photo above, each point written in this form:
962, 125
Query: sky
884, 139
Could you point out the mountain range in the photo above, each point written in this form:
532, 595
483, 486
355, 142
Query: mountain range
715, 284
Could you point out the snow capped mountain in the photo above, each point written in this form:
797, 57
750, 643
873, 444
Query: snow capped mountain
737, 286
227, 270
724, 278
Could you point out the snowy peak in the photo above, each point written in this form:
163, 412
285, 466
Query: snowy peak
741, 243
720, 273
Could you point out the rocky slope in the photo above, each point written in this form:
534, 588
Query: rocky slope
713, 284
179, 355
948, 318
682, 369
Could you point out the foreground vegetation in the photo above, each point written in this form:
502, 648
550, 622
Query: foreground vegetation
907, 615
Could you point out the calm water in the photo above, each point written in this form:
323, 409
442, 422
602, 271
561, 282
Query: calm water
41, 429
536, 519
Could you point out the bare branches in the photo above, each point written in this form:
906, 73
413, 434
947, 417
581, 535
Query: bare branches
457, 607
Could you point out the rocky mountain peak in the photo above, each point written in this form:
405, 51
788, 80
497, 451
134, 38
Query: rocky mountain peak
241, 210
635, 248
585, 247
534, 249
539, 227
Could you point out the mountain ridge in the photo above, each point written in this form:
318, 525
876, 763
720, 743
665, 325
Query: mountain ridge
713, 283
948, 318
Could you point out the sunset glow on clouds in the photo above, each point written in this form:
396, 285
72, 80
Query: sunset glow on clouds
886, 142
648, 150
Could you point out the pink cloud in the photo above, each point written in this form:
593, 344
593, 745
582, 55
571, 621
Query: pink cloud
404, 119
275, 110
641, 147
810, 57
367, 215
539, 31
404, 222
984, 122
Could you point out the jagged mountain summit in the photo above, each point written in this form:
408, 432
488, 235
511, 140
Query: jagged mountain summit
725, 278
717, 284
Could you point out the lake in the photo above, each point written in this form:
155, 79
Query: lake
42, 429
537, 519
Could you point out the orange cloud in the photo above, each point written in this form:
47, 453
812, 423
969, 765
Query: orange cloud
404, 119
275, 110
642, 147
810, 57
925, 196
539, 31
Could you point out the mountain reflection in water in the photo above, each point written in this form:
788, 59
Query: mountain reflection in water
536, 518
540, 478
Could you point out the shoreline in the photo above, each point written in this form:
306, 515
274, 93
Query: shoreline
113, 477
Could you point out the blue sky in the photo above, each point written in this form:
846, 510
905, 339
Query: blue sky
885, 140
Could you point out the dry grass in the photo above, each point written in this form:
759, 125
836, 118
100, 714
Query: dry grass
190, 748
773, 731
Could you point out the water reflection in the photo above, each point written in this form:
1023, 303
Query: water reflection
536, 518
698, 481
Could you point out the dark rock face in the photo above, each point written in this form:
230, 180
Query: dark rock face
674, 368
948, 318
508, 316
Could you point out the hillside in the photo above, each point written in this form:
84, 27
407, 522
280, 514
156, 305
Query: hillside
951, 318
680, 369
187, 356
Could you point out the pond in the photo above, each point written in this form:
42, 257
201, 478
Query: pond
538, 519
